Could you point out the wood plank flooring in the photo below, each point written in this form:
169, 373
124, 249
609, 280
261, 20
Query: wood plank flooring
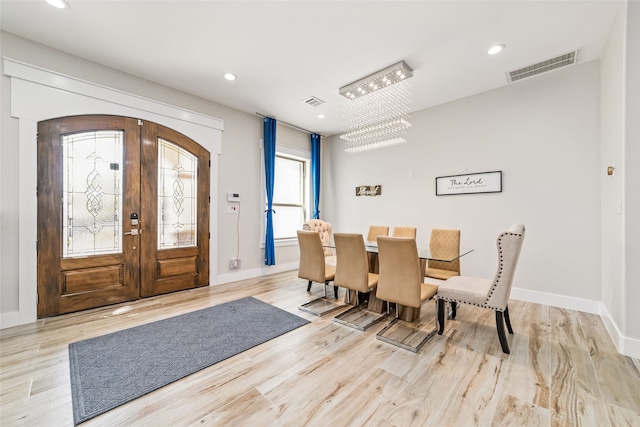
563, 370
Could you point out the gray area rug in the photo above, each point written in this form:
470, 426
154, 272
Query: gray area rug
113, 369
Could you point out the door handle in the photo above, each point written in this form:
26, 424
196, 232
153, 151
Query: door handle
134, 232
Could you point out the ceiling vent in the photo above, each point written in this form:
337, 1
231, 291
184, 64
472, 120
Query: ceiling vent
313, 101
543, 67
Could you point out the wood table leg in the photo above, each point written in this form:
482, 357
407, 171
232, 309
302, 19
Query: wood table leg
373, 262
408, 314
376, 305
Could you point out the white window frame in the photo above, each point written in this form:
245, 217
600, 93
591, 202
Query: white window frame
297, 154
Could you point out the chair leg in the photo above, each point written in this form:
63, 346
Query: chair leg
309, 286
454, 307
501, 334
335, 291
441, 303
507, 320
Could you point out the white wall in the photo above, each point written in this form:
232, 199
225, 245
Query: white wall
620, 205
612, 93
542, 133
632, 178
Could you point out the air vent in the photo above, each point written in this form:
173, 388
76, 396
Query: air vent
313, 101
543, 67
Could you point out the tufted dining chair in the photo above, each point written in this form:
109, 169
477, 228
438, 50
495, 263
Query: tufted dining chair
312, 266
404, 232
324, 228
488, 293
400, 282
375, 231
352, 273
442, 239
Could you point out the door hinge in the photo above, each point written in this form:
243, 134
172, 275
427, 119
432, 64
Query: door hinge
209, 235
209, 163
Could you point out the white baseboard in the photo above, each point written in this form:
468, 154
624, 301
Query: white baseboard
625, 345
253, 273
570, 303
8, 320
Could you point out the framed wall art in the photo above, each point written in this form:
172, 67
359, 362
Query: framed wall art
484, 182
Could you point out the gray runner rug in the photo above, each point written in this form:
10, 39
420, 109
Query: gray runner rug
116, 368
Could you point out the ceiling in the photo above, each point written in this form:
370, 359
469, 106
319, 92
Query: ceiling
286, 51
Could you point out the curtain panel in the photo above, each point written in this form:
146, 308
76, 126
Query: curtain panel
269, 171
315, 173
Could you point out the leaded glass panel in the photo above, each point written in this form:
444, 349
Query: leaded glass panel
177, 196
92, 193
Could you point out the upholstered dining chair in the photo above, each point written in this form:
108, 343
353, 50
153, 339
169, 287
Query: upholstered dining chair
446, 241
375, 231
488, 293
404, 232
352, 273
400, 282
324, 228
312, 266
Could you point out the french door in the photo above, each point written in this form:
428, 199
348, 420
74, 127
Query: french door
123, 212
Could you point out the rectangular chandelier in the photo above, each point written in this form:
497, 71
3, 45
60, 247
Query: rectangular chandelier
376, 109
378, 80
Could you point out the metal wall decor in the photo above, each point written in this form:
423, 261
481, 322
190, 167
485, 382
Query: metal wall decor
368, 190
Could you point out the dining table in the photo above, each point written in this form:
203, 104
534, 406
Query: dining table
433, 252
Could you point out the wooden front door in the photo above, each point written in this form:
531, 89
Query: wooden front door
123, 212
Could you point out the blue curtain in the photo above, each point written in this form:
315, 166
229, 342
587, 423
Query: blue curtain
269, 172
315, 173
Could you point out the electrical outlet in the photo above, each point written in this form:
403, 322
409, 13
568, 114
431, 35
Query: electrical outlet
232, 210
234, 263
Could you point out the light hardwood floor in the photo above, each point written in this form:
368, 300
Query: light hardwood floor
563, 370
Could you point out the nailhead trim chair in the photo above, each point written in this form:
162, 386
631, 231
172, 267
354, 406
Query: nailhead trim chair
493, 294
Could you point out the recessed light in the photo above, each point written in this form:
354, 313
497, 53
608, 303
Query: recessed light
495, 49
321, 116
230, 76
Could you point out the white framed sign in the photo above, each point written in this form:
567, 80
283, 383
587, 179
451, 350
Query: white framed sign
485, 182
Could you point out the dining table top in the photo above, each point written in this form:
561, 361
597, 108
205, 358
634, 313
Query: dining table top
433, 253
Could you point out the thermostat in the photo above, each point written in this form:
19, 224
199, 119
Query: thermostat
233, 197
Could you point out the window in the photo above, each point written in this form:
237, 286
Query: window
177, 196
289, 196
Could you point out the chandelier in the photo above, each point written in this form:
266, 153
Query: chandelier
376, 109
